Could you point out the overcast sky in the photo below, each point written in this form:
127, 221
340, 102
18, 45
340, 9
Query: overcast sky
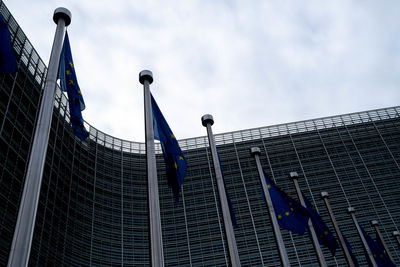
248, 63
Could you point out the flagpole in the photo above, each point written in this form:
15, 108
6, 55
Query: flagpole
396, 235
207, 121
375, 223
255, 152
156, 244
351, 211
321, 259
346, 252
23, 234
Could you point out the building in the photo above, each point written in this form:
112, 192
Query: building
93, 203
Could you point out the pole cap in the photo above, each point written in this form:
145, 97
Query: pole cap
324, 194
374, 222
255, 151
145, 75
207, 119
293, 175
62, 13
396, 233
351, 210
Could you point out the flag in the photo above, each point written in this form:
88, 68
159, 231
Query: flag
231, 210
325, 236
353, 257
174, 159
291, 214
69, 84
228, 199
386, 259
8, 63
378, 251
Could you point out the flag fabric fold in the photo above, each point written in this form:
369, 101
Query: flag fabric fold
291, 214
8, 63
353, 257
228, 199
378, 251
231, 210
69, 84
174, 159
325, 236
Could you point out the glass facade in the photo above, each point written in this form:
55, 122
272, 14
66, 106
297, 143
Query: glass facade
93, 200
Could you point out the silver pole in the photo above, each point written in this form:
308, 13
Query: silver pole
207, 120
346, 251
396, 235
321, 259
23, 234
351, 210
156, 244
255, 152
374, 223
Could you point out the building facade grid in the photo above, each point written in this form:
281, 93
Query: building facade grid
93, 203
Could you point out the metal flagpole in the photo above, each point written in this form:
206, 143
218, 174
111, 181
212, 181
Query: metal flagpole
321, 259
255, 152
351, 210
396, 235
156, 244
23, 234
346, 252
374, 223
207, 120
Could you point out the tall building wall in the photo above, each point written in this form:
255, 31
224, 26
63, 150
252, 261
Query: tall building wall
93, 201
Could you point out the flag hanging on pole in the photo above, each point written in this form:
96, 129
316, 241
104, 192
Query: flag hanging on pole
291, 214
325, 236
353, 257
8, 63
69, 84
378, 252
174, 159
231, 210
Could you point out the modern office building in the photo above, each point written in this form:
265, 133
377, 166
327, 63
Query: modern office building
93, 200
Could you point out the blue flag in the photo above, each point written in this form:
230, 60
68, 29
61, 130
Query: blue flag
353, 257
174, 159
69, 84
325, 236
291, 214
378, 251
231, 210
8, 63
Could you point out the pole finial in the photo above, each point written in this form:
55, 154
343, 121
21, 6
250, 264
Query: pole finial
324, 194
255, 151
145, 75
205, 119
62, 13
293, 175
374, 222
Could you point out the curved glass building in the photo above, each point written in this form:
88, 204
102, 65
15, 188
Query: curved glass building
93, 200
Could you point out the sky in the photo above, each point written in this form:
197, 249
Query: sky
248, 63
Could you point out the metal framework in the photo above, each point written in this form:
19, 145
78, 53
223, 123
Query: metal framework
93, 204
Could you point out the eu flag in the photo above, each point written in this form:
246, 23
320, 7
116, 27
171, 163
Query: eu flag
174, 159
378, 251
69, 84
325, 236
231, 210
353, 257
8, 63
290, 213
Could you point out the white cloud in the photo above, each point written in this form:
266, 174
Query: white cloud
247, 64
